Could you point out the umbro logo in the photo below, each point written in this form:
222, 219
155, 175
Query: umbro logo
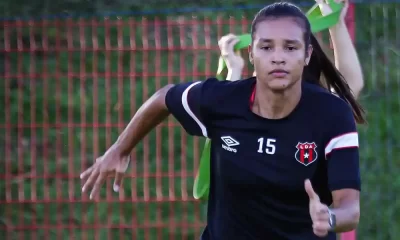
229, 143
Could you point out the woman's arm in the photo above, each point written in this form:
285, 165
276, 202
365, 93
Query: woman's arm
148, 116
346, 207
115, 160
188, 102
346, 59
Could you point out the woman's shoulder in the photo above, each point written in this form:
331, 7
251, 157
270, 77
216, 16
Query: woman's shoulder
226, 96
226, 88
325, 100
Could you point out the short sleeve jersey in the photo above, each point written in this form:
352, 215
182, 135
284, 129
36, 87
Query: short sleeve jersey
258, 165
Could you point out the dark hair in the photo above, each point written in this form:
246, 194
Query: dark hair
319, 63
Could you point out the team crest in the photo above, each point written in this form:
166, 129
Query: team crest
306, 153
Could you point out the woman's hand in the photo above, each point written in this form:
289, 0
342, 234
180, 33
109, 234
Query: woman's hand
233, 60
325, 9
112, 163
319, 212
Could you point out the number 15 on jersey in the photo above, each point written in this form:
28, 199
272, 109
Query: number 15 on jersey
266, 145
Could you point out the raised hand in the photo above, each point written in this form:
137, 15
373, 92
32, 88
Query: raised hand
226, 45
325, 9
319, 212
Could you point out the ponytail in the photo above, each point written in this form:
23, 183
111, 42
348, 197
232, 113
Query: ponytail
321, 65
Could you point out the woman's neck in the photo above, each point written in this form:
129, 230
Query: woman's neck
275, 105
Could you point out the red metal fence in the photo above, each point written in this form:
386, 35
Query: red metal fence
70, 86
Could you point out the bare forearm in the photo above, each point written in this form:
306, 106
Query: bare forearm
347, 217
148, 116
346, 59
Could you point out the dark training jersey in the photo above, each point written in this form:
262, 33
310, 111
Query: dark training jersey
259, 165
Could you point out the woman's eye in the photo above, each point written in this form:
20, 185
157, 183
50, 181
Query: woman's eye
266, 48
291, 48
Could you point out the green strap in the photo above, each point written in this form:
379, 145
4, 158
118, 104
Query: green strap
318, 23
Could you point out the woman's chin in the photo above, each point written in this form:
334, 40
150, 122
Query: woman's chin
279, 84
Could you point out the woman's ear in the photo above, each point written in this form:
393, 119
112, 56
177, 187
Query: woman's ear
249, 48
309, 53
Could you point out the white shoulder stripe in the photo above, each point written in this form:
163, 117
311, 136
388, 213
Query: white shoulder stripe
347, 140
186, 106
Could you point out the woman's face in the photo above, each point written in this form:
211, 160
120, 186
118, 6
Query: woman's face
278, 52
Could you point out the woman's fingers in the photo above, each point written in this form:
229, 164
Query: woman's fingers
97, 185
90, 181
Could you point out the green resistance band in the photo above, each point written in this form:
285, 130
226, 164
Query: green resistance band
318, 23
